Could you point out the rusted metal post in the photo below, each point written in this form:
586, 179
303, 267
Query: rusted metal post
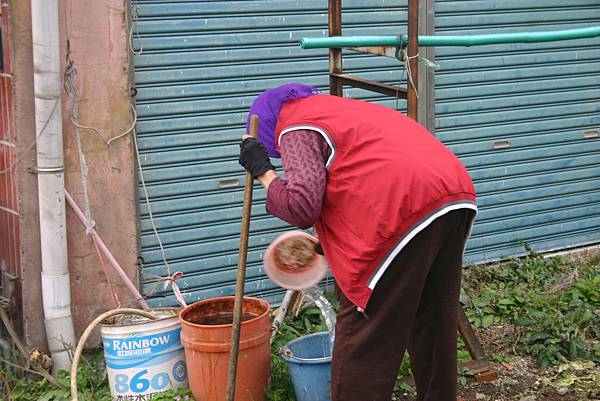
480, 364
412, 58
469, 336
241, 274
335, 55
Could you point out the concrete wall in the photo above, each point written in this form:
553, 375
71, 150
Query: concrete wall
33, 317
97, 30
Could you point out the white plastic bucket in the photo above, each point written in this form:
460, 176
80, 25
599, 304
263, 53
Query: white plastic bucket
144, 357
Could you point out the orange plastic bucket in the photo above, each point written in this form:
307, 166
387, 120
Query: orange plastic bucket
206, 329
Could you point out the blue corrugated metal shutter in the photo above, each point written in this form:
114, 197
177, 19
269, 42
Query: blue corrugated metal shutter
518, 116
202, 63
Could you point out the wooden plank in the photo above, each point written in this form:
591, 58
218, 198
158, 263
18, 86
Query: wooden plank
386, 51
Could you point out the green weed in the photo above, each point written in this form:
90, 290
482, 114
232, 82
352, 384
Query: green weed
555, 302
91, 383
404, 388
308, 321
464, 375
181, 394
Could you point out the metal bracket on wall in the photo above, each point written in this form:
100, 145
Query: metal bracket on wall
5, 319
7, 285
4, 302
46, 170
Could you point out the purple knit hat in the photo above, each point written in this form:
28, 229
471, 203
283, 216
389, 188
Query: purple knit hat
267, 106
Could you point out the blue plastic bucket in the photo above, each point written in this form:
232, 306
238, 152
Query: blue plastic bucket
309, 364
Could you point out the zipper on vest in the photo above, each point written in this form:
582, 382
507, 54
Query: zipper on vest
362, 311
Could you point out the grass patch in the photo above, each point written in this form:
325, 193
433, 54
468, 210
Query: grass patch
91, 383
554, 302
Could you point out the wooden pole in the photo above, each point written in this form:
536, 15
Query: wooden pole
241, 274
411, 54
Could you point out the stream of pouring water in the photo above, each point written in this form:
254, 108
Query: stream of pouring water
316, 295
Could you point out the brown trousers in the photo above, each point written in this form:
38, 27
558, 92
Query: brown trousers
414, 307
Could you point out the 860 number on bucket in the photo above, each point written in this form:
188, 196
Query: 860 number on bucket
139, 383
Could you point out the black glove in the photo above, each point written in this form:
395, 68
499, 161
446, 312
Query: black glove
254, 158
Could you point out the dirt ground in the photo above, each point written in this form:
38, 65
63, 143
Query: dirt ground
520, 380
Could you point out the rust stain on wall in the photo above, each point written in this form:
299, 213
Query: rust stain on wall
98, 39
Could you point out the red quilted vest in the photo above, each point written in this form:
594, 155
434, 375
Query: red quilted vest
388, 178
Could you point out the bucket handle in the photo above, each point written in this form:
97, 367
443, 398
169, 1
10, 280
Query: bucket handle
285, 351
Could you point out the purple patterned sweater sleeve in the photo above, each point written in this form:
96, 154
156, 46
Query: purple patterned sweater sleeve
298, 199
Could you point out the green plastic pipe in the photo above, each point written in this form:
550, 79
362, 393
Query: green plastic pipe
462, 40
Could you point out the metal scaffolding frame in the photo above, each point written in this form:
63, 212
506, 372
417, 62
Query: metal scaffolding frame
479, 365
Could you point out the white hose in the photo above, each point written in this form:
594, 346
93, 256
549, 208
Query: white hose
86, 334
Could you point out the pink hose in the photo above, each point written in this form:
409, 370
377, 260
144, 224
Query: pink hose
113, 262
